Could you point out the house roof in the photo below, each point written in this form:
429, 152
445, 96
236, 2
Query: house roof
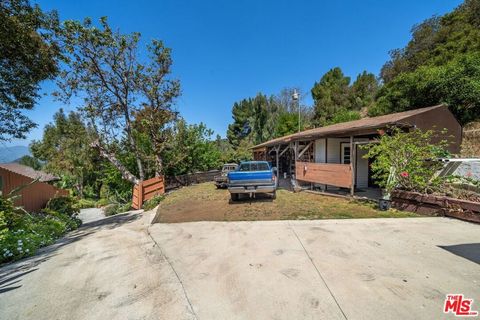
28, 172
350, 126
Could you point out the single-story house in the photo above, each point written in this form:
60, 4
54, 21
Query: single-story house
35, 195
323, 156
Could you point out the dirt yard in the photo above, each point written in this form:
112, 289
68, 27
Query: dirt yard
203, 202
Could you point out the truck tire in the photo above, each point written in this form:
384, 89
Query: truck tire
274, 195
234, 196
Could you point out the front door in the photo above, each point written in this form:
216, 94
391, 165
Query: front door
345, 154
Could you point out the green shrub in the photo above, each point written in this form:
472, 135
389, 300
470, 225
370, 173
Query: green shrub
152, 203
22, 233
111, 209
66, 205
115, 208
403, 160
71, 223
125, 207
102, 202
85, 203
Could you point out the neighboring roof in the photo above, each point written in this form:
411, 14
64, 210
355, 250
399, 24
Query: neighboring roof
345, 127
28, 172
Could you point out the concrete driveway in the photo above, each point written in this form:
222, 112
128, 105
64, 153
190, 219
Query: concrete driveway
329, 269
91, 214
122, 267
108, 269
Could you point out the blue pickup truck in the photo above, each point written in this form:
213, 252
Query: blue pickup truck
252, 177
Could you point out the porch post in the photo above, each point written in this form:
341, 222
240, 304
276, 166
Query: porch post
352, 166
295, 150
277, 149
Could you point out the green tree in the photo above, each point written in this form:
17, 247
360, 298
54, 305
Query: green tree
191, 149
31, 162
117, 83
250, 118
28, 55
330, 95
344, 115
438, 40
439, 65
287, 124
285, 114
363, 91
267, 118
455, 83
242, 113
65, 149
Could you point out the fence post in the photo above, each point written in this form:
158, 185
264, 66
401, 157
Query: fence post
140, 195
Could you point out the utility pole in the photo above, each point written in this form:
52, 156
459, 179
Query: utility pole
295, 96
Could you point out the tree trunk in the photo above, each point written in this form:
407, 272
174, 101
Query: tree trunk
79, 188
127, 175
133, 145
159, 165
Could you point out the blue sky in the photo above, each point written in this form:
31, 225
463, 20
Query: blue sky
224, 51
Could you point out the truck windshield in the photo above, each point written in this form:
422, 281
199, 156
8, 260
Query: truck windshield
254, 166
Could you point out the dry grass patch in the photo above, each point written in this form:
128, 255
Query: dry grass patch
203, 202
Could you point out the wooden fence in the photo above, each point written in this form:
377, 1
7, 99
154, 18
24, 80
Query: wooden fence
156, 186
147, 190
191, 178
339, 175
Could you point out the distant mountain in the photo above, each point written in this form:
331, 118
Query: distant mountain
10, 154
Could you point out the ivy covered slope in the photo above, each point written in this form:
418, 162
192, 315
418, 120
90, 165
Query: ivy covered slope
441, 64
23, 233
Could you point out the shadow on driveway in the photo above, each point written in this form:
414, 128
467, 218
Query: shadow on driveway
11, 274
469, 251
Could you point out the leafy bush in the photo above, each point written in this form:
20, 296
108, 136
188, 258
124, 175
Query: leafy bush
125, 207
115, 208
102, 202
85, 203
71, 222
152, 203
403, 160
22, 233
111, 209
66, 205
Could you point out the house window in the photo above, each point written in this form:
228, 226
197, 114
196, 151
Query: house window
345, 156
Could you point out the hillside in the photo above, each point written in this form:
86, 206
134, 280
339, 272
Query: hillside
10, 154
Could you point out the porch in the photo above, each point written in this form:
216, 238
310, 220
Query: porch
289, 184
331, 163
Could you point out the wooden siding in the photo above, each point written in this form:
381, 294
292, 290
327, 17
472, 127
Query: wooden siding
339, 175
320, 150
333, 155
34, 196
147, 190
437, 120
